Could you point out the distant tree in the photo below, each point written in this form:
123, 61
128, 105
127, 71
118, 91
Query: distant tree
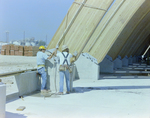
41, 43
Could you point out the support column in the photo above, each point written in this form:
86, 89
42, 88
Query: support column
106, 66
130, 60
117, 63
125, 61
134, 59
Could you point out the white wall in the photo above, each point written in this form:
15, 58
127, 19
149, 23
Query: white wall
27, 82
86, 69
2, 100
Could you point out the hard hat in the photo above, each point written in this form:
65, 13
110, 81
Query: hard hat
64, 47
42, 47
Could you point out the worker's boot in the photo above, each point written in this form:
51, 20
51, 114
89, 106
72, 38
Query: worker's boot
44, 91
60, 93
48, 91
67, 92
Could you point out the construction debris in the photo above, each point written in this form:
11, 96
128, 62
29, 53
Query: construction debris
21, 108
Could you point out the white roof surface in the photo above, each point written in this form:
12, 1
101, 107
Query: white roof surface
110, 97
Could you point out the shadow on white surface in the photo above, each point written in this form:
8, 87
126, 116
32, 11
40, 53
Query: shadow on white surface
87, 89
14, 115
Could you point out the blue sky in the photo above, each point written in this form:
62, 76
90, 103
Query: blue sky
37, 18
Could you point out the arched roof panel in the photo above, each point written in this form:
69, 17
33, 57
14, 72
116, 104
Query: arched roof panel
130, 33
88, 27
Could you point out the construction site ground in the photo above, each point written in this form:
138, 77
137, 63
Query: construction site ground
108, 97
16, 63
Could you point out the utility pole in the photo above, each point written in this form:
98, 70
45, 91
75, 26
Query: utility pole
7, 36
46, 40
24, 35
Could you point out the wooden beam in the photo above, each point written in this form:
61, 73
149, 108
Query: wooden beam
71, 22
89, 6
84, 29
142, 48
129, 45
112, 15
113, 30
140, 39
124, 42
83, 26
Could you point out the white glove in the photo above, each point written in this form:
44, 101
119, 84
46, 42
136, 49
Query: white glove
75, 53
57, 46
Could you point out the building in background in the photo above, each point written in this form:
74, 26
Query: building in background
25, 42
28, 42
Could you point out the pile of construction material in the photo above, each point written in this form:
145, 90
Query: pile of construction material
19, 50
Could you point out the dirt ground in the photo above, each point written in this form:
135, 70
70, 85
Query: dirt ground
16, 63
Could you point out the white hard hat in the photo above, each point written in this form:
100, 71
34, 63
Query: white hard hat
64, 47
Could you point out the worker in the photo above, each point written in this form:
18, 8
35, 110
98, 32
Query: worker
64, 67
41, 57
